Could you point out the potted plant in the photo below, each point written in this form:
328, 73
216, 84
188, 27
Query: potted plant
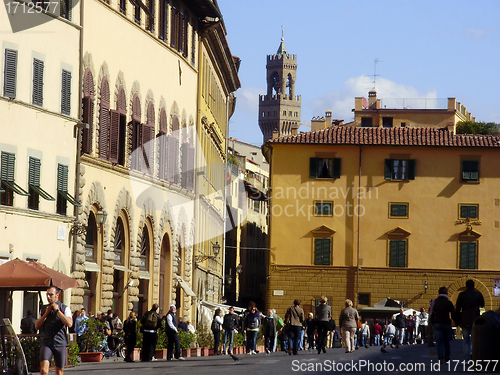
186, 339
205, 340
162, 344
93, 338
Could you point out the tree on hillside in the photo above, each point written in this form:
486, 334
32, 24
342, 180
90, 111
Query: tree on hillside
470, 127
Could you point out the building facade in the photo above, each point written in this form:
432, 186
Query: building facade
371, 213
127, 139
39, 101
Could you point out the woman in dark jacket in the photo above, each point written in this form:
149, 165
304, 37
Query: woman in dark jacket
129, 329
442, 310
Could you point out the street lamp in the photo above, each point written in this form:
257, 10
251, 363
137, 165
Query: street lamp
426, 285
239, 268
215, 249
100, 217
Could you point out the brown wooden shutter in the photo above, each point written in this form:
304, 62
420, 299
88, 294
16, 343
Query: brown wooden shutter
148, 132
185, 36
184, 164
190, 170
10, 73
172, 159
88, 109
104, 121
162, 162
121, 104
114, 136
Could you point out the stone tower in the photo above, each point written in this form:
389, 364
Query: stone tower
279, 109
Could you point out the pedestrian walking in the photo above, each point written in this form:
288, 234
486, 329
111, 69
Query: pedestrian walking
55, 319
348, 322
310, 331
323, 314
251, 324
377, 332
81, 327
150, 322
172, 330
230, 324
467, 310
293, 318
270, 325
332, 331
365, 334
217, 329
130, 335
400, 324
442, 311
423, 322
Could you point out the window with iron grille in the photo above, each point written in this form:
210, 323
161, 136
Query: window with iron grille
470, 211
468, 255
398, 210
397, 253
7, 177
119, 242
470, 170
62, 190
399, 169
10, 73
35, 190
38, 82
66, 93
322, 251
144, 251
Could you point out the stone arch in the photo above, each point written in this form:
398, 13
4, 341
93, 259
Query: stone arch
166, 226
459, 285
88, 63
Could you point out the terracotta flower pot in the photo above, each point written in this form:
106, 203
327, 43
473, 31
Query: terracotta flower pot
161, 353
205, 351
136, 354
186, 353
91, 357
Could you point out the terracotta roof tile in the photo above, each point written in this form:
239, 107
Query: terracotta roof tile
347, 135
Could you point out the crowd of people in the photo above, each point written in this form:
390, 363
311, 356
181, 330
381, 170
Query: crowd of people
318, 331
295, 332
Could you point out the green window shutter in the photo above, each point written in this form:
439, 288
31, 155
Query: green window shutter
34, 172
327, 208
38, 82
474, 170
403, 210
394, 210
464, 211
468, 255
62, 178
8, 164
66, 93
336, 167
10, 73
397, 256
473, 212
322, 250
411, 169
313, 166
388, 169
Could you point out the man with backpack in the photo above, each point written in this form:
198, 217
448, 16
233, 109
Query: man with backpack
150, 323
230, 323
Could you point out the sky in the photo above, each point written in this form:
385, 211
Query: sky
424, 49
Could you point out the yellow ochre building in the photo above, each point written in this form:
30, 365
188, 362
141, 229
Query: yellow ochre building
368, 213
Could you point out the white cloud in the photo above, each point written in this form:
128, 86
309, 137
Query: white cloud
247, 99
342, 102
476, 35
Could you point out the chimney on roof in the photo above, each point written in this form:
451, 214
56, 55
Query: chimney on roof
295, 130
451, 127
275, 134
372, 99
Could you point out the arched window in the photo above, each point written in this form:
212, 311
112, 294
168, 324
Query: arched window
144, 269
136, 152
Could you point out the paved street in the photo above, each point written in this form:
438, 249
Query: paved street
362, 361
